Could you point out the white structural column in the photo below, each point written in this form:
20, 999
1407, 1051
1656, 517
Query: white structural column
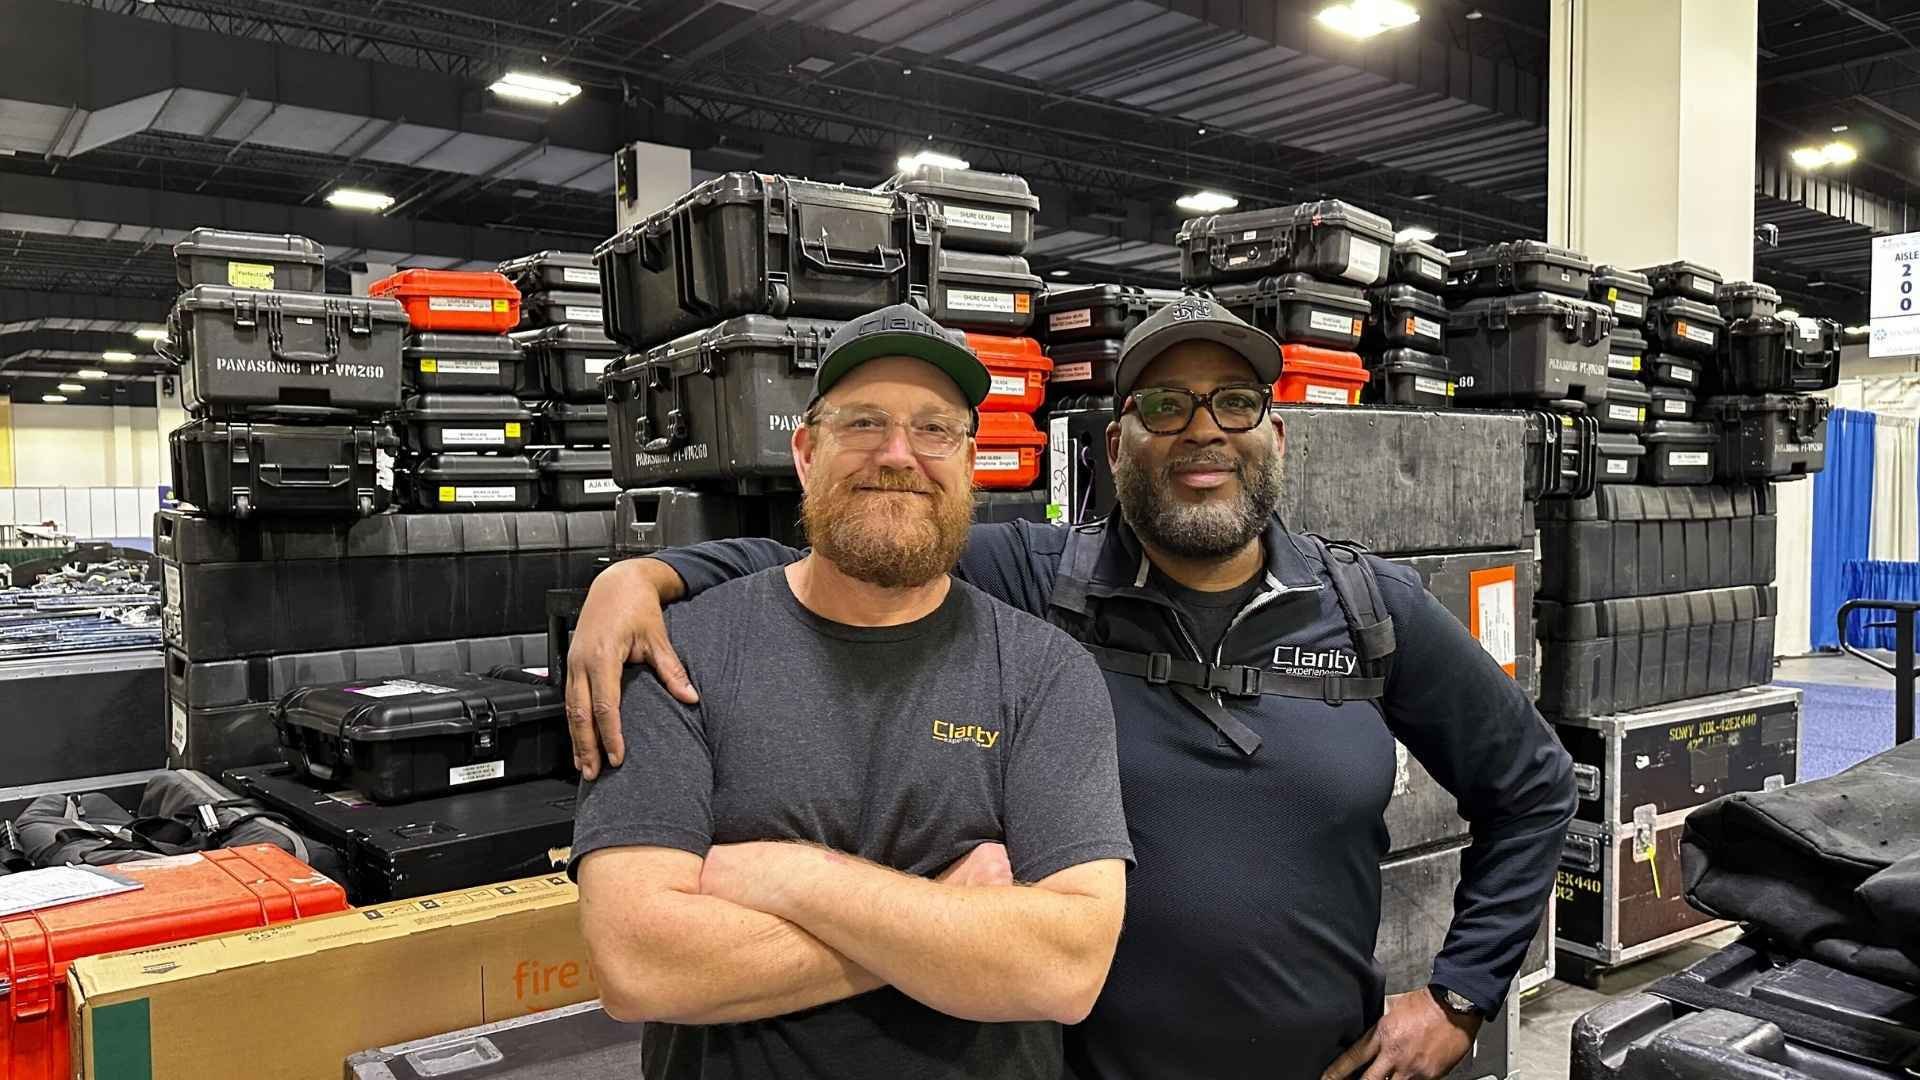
1651, 138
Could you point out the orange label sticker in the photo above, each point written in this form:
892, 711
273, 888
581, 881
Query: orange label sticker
1022, 303
1493, 613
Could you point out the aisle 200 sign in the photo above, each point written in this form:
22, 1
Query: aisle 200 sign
1896, 296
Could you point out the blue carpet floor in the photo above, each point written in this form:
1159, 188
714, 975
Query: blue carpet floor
1842, 725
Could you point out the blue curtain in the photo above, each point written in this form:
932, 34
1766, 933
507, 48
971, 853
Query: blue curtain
1869, 579
1842, 517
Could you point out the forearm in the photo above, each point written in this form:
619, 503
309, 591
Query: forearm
703, 566
1507, 879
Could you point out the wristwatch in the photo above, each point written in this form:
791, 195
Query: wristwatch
1455, 1003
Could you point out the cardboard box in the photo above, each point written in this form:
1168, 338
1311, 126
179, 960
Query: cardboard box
291, 1002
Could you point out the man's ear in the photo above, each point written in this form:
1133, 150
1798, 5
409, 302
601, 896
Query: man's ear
805, 444
1113, 444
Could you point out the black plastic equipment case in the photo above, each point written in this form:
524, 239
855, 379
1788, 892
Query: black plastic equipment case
1748, 1013
404, 738
978, 211
1770, 436
747, 243
241, 260
459, 841
1681, 452
1676, 324
233, 589
572, 479
568, 423
463, 423
220, 712
1077, 313
244, 351
1537, 346
720, 405
1626, 409
579, 1041
1643, 541
1518, 266
1626, 353
1297, 309
241, 469
647, 520
991, 294
998, 507
566, 361
1746, 300
1766, 355
463, 482
1619, 455
1615, 656
560, 307
466, 364
1684, 279
1627, 292
1672, 369
1083, 367
1332, 240
1562, 459
1405, 317
1420, 264
547, 270
1671, 403
1079, 479
1409, 377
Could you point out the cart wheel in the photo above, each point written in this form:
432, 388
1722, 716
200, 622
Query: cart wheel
778, 298
366, 506
1577, 970
242, 506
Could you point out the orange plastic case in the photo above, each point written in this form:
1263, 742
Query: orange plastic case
1316, 376
472, 301
185, 897
1007, 452
1020, 371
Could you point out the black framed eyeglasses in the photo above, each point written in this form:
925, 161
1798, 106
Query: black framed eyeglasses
1169, 410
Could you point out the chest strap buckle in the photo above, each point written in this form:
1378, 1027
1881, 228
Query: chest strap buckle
1330, 690
1239, 681
1159, 668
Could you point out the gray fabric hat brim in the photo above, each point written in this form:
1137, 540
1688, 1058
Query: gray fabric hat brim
1255, 346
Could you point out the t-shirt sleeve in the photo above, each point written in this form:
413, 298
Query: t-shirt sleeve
1000, 561
716, 562
662, 796
1063, 774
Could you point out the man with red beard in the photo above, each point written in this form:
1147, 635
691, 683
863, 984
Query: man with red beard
811, 873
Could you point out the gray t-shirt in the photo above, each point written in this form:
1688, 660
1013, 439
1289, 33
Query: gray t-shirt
905, 745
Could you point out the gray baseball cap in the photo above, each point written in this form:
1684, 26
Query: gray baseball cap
1192, 318
902, 330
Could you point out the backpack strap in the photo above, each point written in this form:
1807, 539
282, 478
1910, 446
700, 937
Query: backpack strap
1077, 560
1357, 590
1236, 680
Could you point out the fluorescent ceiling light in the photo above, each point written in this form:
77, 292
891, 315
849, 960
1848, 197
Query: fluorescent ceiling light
535, 89
356, 199
1838, 128
52, 399
91, 373
118, 356
1364, 18
1786, 314
1815, 157
1857, 331
910, 162
72, 388
151, 333
1059, 273
1415, 232
1206, 202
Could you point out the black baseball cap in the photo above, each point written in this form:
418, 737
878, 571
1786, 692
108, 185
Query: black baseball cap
902, 330
1192, 318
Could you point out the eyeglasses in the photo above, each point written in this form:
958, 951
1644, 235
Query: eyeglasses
931, 435
1169, 410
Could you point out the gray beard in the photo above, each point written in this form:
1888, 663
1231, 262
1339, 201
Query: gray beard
1207, 531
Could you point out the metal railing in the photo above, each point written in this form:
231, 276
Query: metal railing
1902, 668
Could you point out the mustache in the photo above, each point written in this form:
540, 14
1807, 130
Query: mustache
1206, 459
888, 480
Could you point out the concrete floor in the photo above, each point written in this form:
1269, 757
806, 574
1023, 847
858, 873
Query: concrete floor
1835, 669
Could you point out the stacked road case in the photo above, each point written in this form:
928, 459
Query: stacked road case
561, 321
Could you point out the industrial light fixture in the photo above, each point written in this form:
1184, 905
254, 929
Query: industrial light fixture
118, 356
1062, 272
357, 199
1476, 15
535, 89
72, 388
53, 399
1206, 202
1364, 18
1819, 157
1858, 331
910, 162
1416, 233
1786, 314
91, 373
151, 333
1838, 128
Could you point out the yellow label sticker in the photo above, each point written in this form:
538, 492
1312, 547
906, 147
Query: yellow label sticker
513, 431
1643, 415
500, 307
448, 494
429, 366
1566, 421
1612, 295
1450, 389
243, 275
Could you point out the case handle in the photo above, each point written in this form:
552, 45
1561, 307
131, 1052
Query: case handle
304, 476
882, 261
664, 381
1581, 853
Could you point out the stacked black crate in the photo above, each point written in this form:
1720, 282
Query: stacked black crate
1684, 330
1759, 386
561, 320
1405, 343
1629, 410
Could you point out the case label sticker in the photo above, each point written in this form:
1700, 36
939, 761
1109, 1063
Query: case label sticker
1675, 407
1425, 328
513, 430
1329, 395
1059, 470
463, 303
1329, 323
399, 688
996, 461
492, 436
1689, 458
1494, 615
1632, 309
1618, 466
1363, 261
170, 575
584, 314
473, 774
1705, 286
460, 367
601, 485
1077, 319
596, 365
1076, 372
1429, 269
1622, 362
1632, 414
179, 729
980, 300
1008, 386
246, 275
477, 494
1425, 385
1683, 374
1701, 334
576, 275
977, 219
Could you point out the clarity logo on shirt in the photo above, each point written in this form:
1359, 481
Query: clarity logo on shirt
947, 731
1294, 660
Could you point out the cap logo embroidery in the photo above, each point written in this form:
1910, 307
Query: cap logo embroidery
1190, 308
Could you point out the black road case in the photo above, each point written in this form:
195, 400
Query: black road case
458, 841
647, 520
1299, 310
1409, 377
463, 423
1331, 240
576, 479
545, 271
1627, 407
560, 307
990, 294
1537, 346
1684, 279
237, 469
242, 351
467, 364
1770, 436
1077, 313
720, 405
1420, 264
1746, 300
1667, 369
1518, 266
1626, 353
461, 482
1083, 367
1765, 355
1644, 541
1404, 317
1562, 459
580, 1042
241, 260
404, 738
570, 423
978, 211
1619, 456
1681, 452
752, 244
1613, 656
1625, 291
1671, 403
1679, 325
566, 361
1491, 593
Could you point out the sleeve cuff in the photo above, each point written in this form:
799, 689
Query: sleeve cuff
691, 841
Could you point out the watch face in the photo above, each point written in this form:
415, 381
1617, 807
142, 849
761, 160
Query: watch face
1460, 1004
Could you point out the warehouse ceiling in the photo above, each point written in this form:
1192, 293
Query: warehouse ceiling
130, 122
